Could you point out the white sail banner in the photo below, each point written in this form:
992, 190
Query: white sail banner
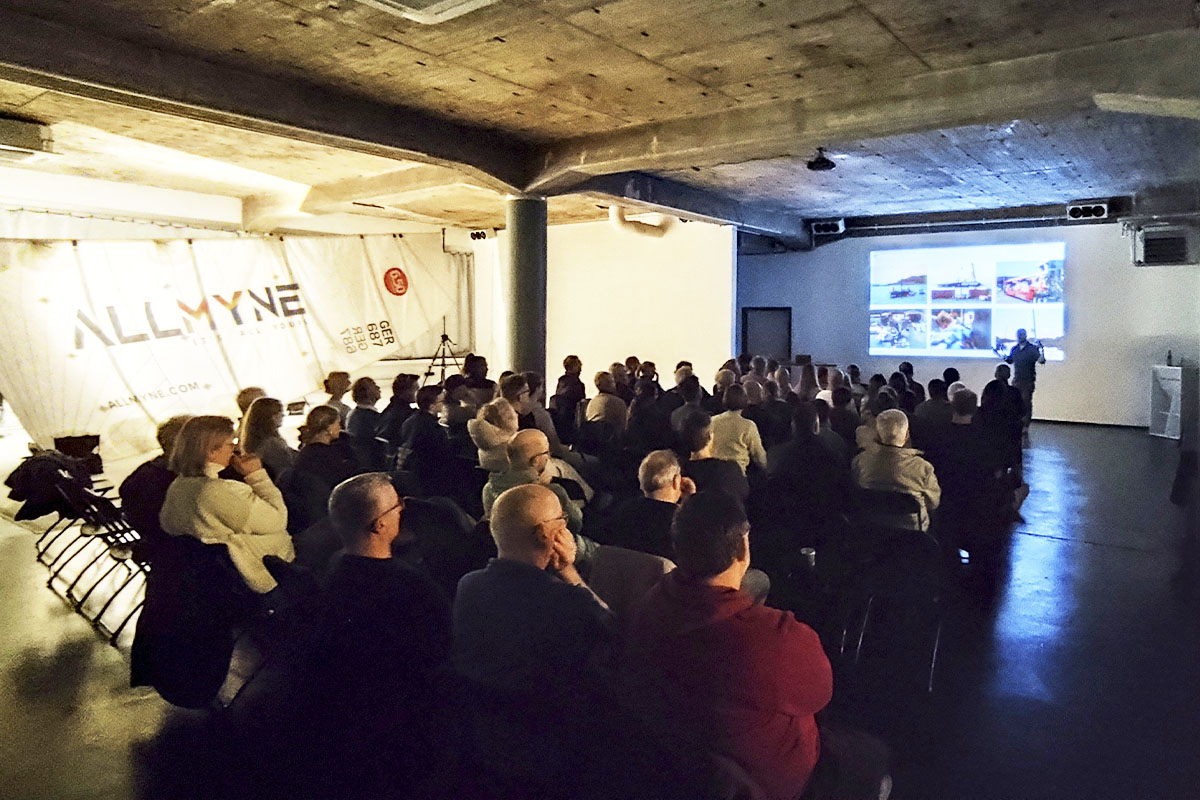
112, 337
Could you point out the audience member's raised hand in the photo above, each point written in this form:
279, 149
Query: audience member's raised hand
245, 464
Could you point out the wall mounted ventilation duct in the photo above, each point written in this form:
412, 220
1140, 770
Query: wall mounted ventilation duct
428, 12
616, 215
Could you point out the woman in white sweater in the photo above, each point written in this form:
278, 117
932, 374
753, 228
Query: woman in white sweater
249, 518
736, 438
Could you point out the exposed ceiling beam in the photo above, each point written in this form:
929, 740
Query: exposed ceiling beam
415, 180
77, 62
1177, 107
1160, 64
672, 197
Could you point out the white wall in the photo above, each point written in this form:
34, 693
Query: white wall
612, 293
1121, 319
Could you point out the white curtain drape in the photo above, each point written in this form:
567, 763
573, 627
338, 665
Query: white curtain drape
112, 337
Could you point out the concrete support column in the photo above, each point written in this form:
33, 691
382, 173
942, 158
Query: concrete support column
523, 266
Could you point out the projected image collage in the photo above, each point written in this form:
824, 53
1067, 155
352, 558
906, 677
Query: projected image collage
967, 301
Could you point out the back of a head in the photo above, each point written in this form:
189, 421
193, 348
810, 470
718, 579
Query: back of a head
682, 374
648, 370
534, 381
247, 396
168, 432
427, 396
771, 388
950, 375
689, 389
696, 431
954, 388
892, 427
525, 446
681, 364
499, 413
886, 399
804, 420
964, 403
725, 378
822, 409
657, 471
318, 421
842, 396
454, 383
337, 382
604, 382
198, 437
709, 533
645, 390
405, 384
259, 423
734, 398
633, 363
898, 382
754, 393
876, 382
1003, 372
772, 365
512, 387
363, 391
354, 505
515, 517
937, 389
572, 363
743, 362
906, 367
994, 392
758, 364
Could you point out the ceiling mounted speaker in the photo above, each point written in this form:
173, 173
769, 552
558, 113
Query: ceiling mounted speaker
1097, 210
428, 12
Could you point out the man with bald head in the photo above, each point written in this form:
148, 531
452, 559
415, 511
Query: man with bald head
528, 619
528, 459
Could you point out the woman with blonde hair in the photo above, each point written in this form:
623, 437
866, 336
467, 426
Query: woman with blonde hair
249, 518
260, 436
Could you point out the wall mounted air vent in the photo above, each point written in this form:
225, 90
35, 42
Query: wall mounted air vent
828, 227
1088, 210
1165, 244
428, 12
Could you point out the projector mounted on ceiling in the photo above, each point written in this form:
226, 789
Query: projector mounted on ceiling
428, 12
21, 140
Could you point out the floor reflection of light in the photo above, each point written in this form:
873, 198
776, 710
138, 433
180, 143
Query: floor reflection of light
1039, 598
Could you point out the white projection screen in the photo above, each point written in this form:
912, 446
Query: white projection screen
967, 302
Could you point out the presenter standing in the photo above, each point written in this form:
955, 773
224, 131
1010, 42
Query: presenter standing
1025, 356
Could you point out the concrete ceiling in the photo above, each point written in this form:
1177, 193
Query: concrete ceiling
709, 107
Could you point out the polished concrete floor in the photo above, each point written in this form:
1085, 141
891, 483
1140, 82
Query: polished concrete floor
1074, 672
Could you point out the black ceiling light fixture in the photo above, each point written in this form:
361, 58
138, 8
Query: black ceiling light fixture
821, 162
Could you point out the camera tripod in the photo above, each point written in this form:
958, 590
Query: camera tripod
442, 357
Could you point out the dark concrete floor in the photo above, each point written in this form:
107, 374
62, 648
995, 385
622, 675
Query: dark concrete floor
1076, 676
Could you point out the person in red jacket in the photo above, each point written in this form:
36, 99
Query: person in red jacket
726, 676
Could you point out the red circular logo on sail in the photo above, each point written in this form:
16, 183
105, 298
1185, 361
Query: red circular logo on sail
395, 281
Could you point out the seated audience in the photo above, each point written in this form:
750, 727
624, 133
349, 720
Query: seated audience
691, 394
843, 416
624, 384
809, 482
458, 408
673, 397
892, 466
384, 640
247, 396
426, 444
937, 408
398, 409
950, 376
1001, 415
250, 518
363, 420
808, 387
644, 523
706, 471
828, 436
721, 674
145, 490
337, 384
648, 371
757, 373
833, 379
906, 398
325, 460
857, 387
874, 384
723, 380
734, 437
528, 621
491, 429
539, 417
475, 369
606, 406
646, 429
906, 369
569, 392
528, 458
260, 436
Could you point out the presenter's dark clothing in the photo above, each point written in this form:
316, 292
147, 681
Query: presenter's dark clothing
518, 627
719, 474
1024, 358
643, 524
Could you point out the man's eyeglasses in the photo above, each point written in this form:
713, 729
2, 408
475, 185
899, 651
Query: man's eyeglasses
399, 505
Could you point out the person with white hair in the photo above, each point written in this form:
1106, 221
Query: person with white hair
644, 523
892, 466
